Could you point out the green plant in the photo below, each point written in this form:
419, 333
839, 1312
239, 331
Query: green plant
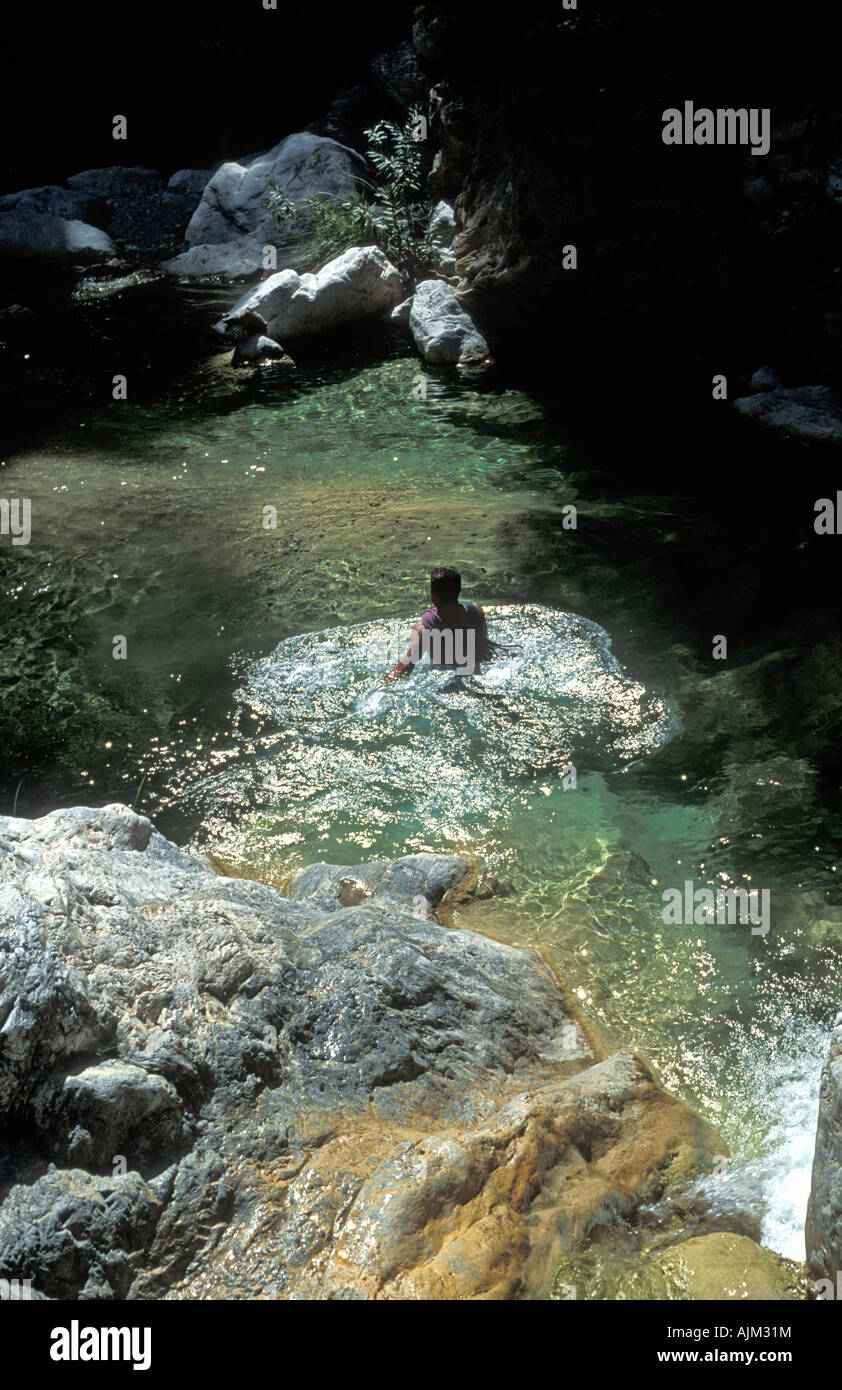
403, 214
391, 213
330, 228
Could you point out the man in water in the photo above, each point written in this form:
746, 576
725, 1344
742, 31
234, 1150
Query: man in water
453, 633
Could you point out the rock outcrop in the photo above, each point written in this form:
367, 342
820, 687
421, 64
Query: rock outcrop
824, 1212
811, 414
547, 135
210, 1089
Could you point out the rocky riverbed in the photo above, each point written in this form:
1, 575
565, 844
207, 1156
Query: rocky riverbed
213, 1089
367, 1085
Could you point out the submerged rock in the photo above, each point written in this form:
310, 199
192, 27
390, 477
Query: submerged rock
422, 880
444, 333
261, 1096
723, 1266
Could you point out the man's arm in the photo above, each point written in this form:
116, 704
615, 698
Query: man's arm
407, 662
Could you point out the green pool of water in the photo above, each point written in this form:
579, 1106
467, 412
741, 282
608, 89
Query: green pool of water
236, 511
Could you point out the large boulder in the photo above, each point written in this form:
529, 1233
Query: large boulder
29, 235
359, 283
55, 201
211, 1090
189, 183
809, 413
444, 332
824, 1210
116, 181
233, 202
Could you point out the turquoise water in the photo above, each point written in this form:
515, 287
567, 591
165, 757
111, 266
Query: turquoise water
249, 719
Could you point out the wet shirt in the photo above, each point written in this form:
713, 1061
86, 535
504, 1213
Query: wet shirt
465, 619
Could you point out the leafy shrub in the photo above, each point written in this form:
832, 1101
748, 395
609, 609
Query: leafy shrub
391, 213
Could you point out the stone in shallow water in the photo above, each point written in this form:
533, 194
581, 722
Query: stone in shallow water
722, 1266
255, 349
359, 283
443, 330
230, 260
418, 881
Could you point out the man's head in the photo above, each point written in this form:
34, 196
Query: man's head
445, 584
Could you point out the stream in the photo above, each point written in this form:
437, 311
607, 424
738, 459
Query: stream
248, 718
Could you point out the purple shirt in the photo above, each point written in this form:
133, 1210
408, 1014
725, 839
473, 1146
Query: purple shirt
466, 617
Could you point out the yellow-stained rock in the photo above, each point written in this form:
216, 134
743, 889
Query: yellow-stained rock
468, 1211
725, 1266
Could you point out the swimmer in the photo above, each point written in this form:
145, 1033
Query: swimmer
453, 633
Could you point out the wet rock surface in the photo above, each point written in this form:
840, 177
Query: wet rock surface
722, 1266
811, 414
210, 1089
356, 285
824, 1213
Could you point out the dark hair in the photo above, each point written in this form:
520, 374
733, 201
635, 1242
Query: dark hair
446, 582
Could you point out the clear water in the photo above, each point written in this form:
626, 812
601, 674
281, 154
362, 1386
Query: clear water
249, 717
